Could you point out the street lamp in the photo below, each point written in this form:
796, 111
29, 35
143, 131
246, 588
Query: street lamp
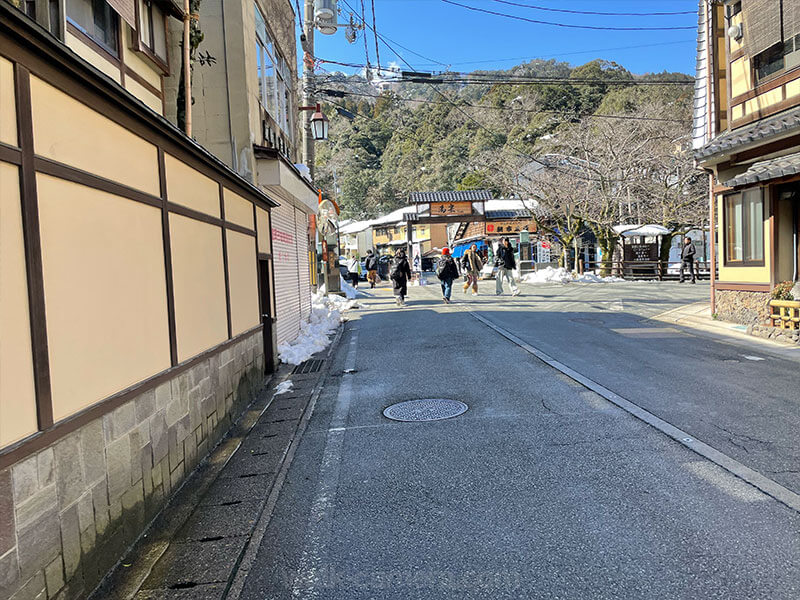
319, 123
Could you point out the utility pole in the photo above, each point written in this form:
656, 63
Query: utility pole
308, 84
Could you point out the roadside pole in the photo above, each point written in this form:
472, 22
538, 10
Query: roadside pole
308, 84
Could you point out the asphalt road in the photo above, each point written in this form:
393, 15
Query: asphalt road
542, 489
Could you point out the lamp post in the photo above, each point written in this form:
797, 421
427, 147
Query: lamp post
319, 125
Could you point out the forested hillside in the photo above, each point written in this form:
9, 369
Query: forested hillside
459, 134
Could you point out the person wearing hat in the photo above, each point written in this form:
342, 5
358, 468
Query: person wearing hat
371, 265
446, 271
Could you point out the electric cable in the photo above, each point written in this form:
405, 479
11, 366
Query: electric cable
375, 28
603, 14
571, 26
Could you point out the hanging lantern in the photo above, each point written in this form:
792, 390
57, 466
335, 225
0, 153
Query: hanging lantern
319, 124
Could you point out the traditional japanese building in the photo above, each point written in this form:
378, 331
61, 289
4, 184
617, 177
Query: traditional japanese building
747, 135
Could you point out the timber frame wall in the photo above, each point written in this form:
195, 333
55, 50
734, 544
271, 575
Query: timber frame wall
131, 295
35, 54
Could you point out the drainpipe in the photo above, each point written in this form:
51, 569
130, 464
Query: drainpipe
187, 73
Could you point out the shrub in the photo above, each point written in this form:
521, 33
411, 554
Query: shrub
783, 291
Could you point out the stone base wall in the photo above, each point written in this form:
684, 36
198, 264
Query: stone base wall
69, 512
746, 308
768, 332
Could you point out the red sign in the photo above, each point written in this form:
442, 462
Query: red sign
545, 245
324, 251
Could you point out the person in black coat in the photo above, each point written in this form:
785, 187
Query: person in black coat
400, 274
446, 271
371, 265
505, 267
688, 253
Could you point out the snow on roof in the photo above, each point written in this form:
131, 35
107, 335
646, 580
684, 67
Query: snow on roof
510, 204
645, 230
394, 216
354, 227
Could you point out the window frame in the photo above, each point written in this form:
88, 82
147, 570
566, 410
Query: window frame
745, 231
115, 51
283, 91
141, 46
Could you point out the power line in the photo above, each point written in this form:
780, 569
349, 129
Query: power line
542, 57
555, 24
604, 14
512, 109
375, 28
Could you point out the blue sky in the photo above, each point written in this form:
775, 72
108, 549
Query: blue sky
467, 40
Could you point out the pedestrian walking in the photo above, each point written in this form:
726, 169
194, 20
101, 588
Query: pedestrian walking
446, 271
371, 265
353, 269
688, 253
505, 267
472, 265
400, 275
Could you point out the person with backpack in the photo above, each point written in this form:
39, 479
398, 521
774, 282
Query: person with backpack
505, 267
354, 268
371, 264
400, 275
472, 265
446, 271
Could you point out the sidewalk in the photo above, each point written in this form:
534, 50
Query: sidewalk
698, 316
199, 544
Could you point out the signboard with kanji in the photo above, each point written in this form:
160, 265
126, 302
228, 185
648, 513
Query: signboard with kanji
509, 227
439, 209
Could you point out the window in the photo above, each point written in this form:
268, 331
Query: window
153, 29
97, 20
744, 227
777, 58
274, 78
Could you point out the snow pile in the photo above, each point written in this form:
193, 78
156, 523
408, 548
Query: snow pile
283, 387
561, 275
549, 275
592, 278
326, 314
347, 288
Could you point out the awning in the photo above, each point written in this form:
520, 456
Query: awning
774, 168
461, 248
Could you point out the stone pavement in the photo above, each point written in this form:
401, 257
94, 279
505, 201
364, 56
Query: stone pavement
194, 548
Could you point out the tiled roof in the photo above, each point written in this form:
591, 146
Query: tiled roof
508, 214
465, 196
765, 170
759, 131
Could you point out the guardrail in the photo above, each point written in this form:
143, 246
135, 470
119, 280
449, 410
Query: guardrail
785, 314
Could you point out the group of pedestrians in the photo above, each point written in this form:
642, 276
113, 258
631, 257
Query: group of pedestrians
472, 265
354, 269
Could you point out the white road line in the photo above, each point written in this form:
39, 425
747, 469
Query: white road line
318, 532
748, 357
754, 478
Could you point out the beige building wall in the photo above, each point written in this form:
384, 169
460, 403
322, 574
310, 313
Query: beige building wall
105, 292
199, 282
262, 228
111, 151
143, 94
191, 189
237, 209
243, 282
17, 392
8, 110
742, 274
98, 61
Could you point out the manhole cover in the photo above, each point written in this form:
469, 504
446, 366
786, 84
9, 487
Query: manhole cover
428, 409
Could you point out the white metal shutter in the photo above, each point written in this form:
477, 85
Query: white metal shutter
304, 275
284, 259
